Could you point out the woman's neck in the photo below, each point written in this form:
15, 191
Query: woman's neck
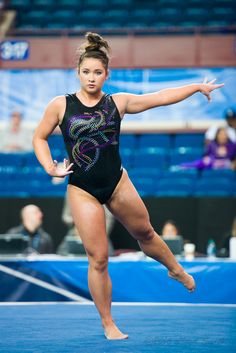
88, 98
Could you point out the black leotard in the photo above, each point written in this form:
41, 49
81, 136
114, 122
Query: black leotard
91, 136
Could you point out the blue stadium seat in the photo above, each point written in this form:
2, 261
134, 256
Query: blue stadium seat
20, 4
144, 186
97, 4
175, 187
91, 17
151, 157
140, 172
68, 17
189, 140
11, 159
128, 141
116, 15
191, 174
155, 140
146, 16
126, 157
36, 17
121, 3
219, 173
213, 187
185, 154
69, 3
30, 160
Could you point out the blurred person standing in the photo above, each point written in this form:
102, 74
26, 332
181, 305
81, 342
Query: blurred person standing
39, 241
16, 137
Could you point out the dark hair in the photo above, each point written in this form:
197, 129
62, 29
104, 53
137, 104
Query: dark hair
173, 223
94, 47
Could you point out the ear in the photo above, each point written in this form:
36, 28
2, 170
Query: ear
108, 74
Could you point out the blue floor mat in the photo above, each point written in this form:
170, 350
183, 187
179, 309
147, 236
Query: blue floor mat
74, 328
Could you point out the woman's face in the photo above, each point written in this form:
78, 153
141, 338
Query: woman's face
92, 75
222, 137
169, 230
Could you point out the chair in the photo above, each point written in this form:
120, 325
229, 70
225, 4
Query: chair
219, 173
117, 15
142, 172
150, 157
185, 154
213, 187
155, 140
128, 141
11, 159
37, 17
189, 140
126, 157
144, 186
175, 187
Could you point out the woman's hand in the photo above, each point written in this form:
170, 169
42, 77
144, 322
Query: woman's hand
60, 170
207, 87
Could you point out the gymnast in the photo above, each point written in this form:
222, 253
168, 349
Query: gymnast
90, 124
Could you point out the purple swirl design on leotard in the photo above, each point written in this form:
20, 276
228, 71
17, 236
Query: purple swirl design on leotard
89, 133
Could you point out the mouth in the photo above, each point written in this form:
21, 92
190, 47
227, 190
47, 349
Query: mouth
91, 85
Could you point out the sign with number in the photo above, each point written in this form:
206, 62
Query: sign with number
14, 50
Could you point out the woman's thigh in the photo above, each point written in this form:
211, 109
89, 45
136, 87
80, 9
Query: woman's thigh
89, 218
128, 207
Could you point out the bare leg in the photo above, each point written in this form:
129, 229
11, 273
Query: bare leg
89, 218
129, 209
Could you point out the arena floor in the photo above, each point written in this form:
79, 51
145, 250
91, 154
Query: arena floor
72, 328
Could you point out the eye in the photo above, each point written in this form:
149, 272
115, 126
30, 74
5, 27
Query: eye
85, 72
99, 72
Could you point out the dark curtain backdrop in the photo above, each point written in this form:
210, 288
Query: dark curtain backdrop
198, 218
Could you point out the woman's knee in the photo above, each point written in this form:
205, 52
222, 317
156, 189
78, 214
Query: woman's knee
144, 233
98, 262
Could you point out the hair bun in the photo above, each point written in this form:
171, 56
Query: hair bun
95, 42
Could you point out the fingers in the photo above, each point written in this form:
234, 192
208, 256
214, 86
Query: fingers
69, 167
212, 81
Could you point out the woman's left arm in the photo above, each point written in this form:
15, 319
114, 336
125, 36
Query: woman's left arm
138, 103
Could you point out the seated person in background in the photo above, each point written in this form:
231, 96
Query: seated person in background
224, 251
170, 234
16, 137
170, 229
229, 125
219, 154
31, 227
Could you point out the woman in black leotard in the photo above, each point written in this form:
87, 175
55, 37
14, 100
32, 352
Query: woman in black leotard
90, 123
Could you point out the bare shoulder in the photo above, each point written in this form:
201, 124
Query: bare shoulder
57, 102
121, 100
57, 106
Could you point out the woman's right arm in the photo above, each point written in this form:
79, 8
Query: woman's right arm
48, 123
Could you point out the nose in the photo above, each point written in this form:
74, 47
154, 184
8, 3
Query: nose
91, 78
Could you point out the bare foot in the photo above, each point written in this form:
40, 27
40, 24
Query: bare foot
184, 278
113, 333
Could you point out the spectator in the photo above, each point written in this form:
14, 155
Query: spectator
220, 154
229, 125
170, 229
31, 227
16, 137
224, 251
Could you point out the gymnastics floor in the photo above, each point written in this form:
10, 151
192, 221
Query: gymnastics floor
75, 327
